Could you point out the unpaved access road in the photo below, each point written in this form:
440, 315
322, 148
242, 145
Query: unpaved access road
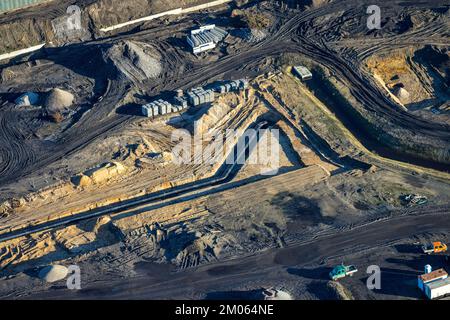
293, 33
160, 283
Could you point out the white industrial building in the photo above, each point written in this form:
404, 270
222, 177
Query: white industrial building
205, 38
434, 284
302, 72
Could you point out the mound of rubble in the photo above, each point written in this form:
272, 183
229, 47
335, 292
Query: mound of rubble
299, 4
135, 61
329, 290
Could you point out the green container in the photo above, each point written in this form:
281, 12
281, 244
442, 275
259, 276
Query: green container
7, 5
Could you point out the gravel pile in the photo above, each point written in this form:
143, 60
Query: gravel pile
251, 35
57, 100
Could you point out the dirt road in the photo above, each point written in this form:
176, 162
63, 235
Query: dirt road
160, 283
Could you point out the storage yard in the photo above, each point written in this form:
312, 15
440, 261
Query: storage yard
89, 124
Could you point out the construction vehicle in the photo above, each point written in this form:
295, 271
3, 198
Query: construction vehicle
414, 200
435, 247
342, 271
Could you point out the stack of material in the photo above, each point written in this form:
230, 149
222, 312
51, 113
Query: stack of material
181, 102
57, 100
231, 86
199, 96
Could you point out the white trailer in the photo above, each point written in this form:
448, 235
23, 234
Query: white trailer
303, 73
437, 289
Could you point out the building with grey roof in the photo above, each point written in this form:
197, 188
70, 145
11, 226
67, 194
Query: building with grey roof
206, 38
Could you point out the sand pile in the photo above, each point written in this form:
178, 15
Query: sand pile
205, 248
74, 239
57, 100
134, 60
329, 290
53, 273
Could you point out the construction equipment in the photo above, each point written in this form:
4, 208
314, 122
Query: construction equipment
435, 247
342, 271
414, 200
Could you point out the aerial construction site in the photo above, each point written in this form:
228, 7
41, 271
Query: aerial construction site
133, 139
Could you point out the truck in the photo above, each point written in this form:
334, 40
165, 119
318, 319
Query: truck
435, 247
342, 271
411, 200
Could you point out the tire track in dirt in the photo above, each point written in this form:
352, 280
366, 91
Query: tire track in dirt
15, 152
